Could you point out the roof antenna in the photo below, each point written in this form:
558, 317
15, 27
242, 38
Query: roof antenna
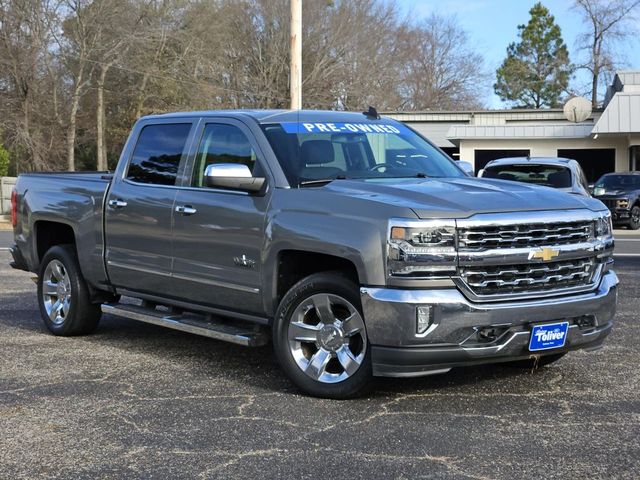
371, 113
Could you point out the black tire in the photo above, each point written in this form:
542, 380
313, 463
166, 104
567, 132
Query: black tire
536, 362
634, 221
335, 285
81, 317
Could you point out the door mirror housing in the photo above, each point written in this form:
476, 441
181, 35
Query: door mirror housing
232, 176
466, 167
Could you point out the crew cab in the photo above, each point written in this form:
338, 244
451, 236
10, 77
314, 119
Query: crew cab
349, 241
621, 193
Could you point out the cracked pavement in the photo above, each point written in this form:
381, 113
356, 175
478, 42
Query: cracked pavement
138, 401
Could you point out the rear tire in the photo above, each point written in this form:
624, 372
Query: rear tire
534, 362
634, 222
320, 339
63, 295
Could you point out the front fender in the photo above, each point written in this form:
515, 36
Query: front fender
361, 241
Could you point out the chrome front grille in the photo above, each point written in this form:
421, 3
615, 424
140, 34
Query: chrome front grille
528, 278
523, 236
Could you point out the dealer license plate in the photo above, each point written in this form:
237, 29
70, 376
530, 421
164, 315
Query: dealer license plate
551, 335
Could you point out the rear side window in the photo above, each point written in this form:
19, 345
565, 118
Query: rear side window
157, 155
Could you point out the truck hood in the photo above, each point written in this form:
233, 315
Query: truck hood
461, 197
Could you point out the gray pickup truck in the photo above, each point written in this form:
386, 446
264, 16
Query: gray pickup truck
348, 240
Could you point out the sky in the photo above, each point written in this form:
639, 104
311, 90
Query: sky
492, 25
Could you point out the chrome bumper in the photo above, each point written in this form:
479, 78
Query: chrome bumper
453, 338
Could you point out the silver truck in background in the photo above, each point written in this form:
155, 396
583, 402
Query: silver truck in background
348, 240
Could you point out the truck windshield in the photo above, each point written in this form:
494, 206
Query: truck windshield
619, 182
546, 175
315, 153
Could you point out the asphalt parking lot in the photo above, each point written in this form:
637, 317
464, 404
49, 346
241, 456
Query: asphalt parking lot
138, 401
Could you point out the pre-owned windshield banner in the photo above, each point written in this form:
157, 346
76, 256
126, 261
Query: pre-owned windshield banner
341, 127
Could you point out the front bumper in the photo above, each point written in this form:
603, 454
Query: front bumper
454, 337
620, 215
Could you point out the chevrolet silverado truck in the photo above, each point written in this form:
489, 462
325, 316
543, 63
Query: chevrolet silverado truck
621, 193
353, 244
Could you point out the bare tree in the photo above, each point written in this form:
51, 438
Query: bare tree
75, 74
24, 42
441, 69
117, 32
608, 22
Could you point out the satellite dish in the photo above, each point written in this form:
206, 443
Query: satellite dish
577, 109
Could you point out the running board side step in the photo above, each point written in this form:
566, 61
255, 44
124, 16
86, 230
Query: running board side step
206, 326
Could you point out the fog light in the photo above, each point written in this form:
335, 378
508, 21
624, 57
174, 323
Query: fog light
424, 317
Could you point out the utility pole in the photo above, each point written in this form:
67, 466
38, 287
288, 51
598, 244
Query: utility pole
296, 55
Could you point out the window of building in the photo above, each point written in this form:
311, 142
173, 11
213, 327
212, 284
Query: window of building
157, 154
594, 161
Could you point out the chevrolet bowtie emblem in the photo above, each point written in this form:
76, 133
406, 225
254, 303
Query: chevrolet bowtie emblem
544, 254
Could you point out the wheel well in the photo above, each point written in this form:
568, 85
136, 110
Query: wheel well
49, 234
294, 265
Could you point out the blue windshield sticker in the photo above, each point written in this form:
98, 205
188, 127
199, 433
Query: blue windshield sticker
341, 127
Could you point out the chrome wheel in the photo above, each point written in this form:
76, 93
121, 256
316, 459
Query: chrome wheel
327, 338
56, 292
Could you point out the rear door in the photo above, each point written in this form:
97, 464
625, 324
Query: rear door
139, 207
218, 234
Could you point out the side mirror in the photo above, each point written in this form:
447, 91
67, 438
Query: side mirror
232, 176
466, 167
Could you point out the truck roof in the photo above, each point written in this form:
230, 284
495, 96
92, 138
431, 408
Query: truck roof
621, 173
276, 116
533, 160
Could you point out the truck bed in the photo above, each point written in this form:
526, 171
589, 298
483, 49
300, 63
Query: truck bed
74, 199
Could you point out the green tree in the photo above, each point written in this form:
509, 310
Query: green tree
537, 69
4, 162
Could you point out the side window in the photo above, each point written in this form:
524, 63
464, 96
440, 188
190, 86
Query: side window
222, 143
157, 154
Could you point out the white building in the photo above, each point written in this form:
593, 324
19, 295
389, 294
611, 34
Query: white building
609, 140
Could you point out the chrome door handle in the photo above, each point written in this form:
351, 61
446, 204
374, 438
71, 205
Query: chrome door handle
185, 209
117, 203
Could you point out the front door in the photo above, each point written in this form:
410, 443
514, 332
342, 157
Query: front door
138, 214
218, 234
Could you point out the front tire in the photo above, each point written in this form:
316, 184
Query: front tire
320, 339
63, 295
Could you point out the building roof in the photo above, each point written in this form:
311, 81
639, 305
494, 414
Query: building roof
535, 131
622, 114
435, 132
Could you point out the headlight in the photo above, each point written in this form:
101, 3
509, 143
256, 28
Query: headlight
603, 226
422, 249
622, 203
